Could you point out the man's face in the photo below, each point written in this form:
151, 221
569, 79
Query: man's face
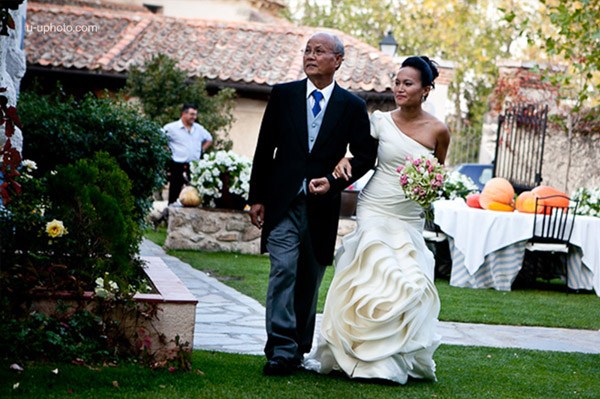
320, 62
189, 117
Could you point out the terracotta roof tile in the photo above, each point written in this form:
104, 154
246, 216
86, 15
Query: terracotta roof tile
227, 51
97, 4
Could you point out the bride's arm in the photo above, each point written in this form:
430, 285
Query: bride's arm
343, 169
321, 185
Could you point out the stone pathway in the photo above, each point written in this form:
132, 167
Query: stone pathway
228, 321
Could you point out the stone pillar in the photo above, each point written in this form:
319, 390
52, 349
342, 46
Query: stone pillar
12, 67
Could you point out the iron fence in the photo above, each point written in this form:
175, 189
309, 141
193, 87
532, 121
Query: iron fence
520, 145
464, 145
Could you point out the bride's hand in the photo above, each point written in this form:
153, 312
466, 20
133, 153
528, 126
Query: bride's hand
343, 169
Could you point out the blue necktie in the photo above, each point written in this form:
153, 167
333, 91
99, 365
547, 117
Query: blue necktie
318, 96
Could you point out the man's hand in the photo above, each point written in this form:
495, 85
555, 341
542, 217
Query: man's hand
319, 186
257, 215
343, 169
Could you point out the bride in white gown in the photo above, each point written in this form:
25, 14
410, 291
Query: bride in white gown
381, 310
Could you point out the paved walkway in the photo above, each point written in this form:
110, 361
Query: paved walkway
228, 321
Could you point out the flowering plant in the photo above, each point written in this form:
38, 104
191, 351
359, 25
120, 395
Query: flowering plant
458, 185
422, 180
589, 201
220, 169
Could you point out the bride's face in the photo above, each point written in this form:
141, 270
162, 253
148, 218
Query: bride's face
408, 89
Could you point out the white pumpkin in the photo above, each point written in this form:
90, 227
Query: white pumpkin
189, 196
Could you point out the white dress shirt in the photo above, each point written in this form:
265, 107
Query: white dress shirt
186, 145
326, 91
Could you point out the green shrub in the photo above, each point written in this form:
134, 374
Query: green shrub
93, 198
61, 130
73, 230
92, 208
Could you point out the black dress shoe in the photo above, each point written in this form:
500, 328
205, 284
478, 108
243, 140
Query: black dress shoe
279, 368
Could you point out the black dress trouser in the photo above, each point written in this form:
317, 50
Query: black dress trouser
179, 174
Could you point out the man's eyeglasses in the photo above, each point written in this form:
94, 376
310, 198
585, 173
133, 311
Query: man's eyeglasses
317, 52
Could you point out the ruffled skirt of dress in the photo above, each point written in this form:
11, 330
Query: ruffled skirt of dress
382, 307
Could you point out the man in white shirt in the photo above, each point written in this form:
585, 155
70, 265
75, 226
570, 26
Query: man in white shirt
187, 141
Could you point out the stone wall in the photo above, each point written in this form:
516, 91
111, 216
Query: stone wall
211, 230
221, 230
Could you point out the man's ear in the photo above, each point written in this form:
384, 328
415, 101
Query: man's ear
338, 61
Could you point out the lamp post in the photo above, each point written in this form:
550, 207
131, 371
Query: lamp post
388, 44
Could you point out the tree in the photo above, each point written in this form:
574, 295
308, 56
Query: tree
573, 38
162, 88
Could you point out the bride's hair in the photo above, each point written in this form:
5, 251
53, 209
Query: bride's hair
426, 66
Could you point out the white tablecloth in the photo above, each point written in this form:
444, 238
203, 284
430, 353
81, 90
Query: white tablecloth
478, 233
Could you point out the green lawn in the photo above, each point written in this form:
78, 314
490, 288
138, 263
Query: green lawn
530, 307
463, 372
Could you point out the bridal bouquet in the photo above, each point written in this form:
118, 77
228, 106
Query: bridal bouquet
422, 180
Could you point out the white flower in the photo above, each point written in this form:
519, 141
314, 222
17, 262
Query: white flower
457, 185
589, 201
207, 174
29, 165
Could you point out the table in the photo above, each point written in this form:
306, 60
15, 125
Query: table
487, 247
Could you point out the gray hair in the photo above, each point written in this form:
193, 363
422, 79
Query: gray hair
338, 48
338, 45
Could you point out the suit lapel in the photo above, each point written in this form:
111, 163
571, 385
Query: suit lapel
333, 111
297, 114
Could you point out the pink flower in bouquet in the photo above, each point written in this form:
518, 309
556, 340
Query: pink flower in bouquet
422, 179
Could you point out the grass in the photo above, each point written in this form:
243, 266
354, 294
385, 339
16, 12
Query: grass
463, 372
529, 307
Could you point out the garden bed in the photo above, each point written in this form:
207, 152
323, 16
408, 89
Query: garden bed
173, 308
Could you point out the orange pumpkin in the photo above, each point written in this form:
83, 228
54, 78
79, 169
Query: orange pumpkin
526, 202
499, 194
547, 191
473, 200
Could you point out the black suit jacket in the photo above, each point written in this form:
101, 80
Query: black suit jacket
282, 160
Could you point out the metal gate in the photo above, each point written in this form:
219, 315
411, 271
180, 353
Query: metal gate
520, 145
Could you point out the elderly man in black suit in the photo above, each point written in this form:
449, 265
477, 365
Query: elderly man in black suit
306, 129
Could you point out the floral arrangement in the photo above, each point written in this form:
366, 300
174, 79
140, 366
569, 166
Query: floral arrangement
219, 168
589, 201
458, 185
422, 180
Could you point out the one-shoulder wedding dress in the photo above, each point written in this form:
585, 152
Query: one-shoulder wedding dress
382, 307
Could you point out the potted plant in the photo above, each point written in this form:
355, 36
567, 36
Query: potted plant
222, 179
